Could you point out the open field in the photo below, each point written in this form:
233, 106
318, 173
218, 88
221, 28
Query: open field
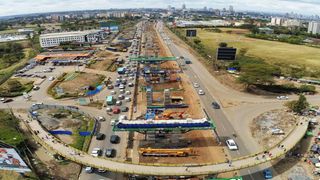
58, 119
24, 85
106, 62
7, 72
76, 84
282, 54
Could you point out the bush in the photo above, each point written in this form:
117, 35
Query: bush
307, 88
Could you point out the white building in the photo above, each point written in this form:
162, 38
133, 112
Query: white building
314, 27
54, 39
277, 21
292, 23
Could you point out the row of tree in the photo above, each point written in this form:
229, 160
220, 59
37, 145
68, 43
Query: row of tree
10, 53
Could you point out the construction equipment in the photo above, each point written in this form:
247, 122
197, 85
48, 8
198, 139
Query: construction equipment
183, 152
170, 115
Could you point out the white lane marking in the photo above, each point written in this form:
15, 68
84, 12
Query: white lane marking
250, 174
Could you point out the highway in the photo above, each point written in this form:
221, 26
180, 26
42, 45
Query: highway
197, 73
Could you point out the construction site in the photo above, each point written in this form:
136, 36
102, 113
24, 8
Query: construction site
169, 124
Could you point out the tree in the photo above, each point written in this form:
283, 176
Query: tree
223, 44
197, 41
14, 85
257, 74
298, 106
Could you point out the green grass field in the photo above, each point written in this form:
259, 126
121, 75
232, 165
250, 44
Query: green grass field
282, 54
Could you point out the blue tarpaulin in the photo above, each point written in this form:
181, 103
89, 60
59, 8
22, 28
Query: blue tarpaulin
60, 132
86, 133
96, 91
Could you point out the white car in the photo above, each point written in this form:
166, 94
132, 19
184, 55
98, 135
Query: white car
231, 144
201, 92
89, 169
51, 78
282, 97
196, 85
96, 152
100, 118
121, 86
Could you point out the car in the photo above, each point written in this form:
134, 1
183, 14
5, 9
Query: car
124, 109
100, 118
7, 100
201, 92
196, 85
109, 109
114, 139
267, 174
51, 78
101, 170
100, 136
231, 144
36, 88
282, 97
96, 152
130, 84
121, 86
113, 92
89, 169
118, 103
110, 153
110, 86
2, 99
115, 110
215, 105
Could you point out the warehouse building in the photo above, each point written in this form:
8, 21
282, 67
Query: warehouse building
54, 39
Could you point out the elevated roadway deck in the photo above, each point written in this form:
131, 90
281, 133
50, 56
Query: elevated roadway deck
54, 145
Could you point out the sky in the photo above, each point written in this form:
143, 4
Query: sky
14, 7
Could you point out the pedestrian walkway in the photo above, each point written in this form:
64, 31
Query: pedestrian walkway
55, 145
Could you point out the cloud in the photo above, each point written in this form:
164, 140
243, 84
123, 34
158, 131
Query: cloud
12, 7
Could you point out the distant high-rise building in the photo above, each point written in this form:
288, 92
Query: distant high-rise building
231, 9
169, 8
314, 27
205, 8
184, 6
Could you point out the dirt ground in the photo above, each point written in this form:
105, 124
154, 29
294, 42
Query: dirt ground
76, 85
106, 59
60, 171
205, 145
261, 126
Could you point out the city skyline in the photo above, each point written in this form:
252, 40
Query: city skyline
16, 7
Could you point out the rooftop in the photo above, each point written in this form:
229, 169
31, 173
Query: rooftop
72, 33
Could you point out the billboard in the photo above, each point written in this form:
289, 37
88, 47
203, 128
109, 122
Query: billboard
226, 53
110, 26
191, 33
11, 160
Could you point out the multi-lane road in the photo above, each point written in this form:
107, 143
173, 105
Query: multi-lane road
197, 73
